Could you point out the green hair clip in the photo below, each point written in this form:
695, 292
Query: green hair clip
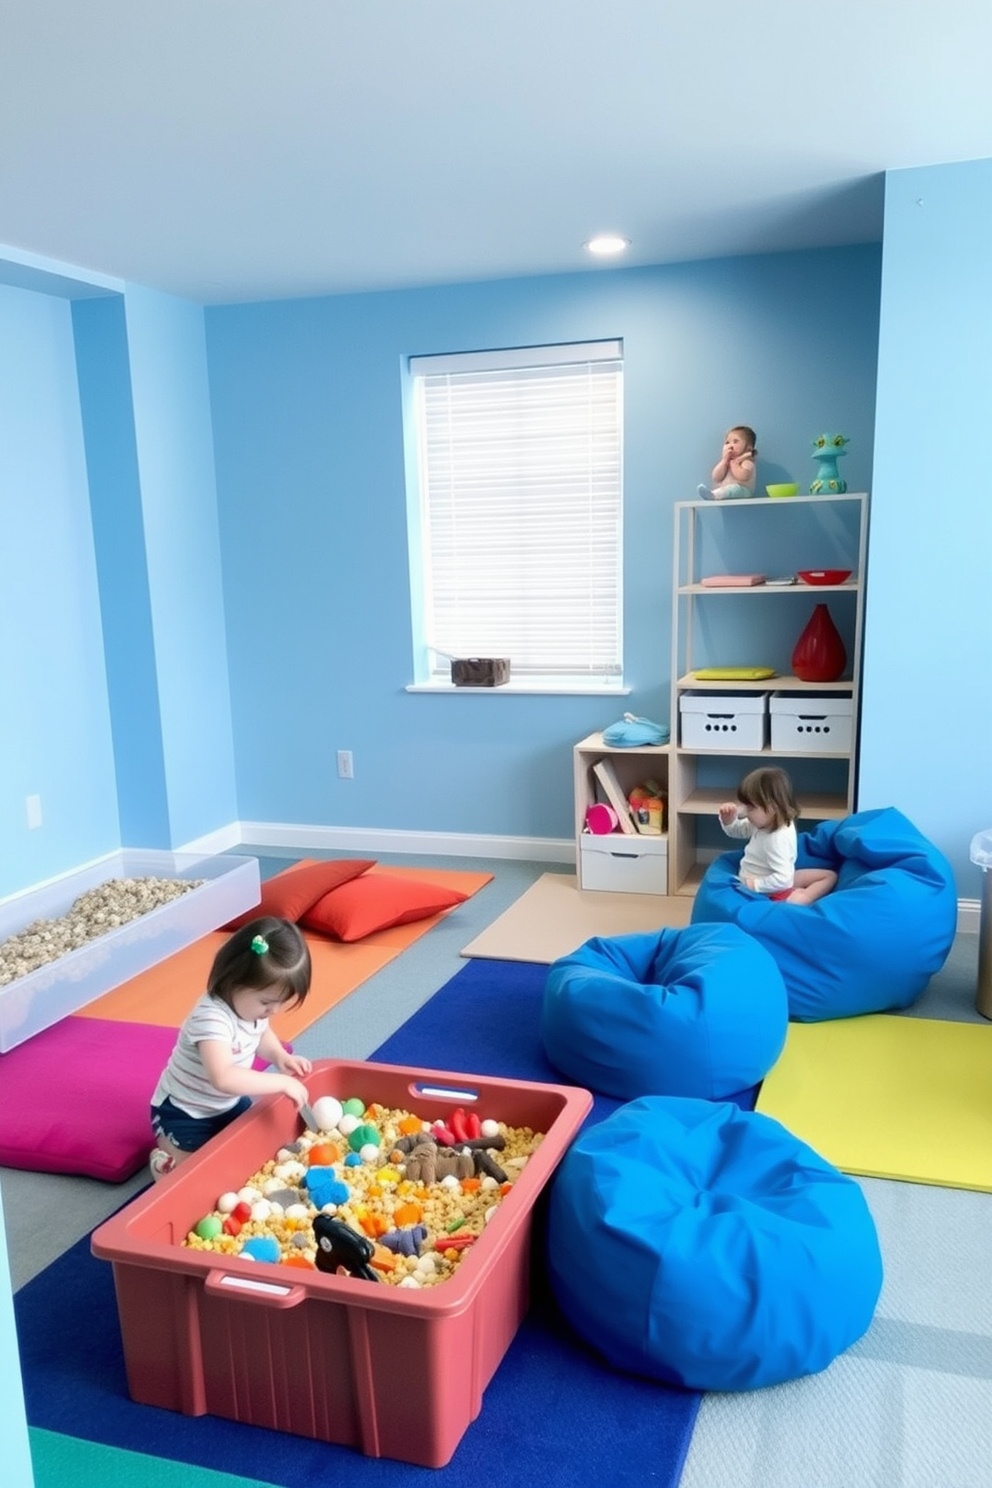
259, 945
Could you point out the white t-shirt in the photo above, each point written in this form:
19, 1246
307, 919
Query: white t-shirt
770, 856
184, 1079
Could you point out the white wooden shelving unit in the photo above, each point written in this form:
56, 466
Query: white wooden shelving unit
759, 626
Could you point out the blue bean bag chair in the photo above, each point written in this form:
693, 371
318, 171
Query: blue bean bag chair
870, 945
700, 1011
707, 1247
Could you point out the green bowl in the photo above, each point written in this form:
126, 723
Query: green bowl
787, 490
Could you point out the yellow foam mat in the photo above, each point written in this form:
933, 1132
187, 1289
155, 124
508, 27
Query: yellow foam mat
890, 1097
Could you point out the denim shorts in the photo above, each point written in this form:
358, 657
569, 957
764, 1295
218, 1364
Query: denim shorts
189, 1133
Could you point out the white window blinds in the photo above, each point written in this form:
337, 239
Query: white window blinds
520, 509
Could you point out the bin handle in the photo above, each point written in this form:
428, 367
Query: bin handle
264, 1293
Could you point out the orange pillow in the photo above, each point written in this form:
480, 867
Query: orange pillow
375, 902
289, 895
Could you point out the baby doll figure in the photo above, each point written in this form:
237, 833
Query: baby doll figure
734, 472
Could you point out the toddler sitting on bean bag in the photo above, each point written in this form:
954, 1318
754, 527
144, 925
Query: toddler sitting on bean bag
870, 945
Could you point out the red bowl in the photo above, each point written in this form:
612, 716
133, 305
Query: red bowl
824, 575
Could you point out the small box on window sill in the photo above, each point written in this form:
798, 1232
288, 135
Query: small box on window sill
481, 671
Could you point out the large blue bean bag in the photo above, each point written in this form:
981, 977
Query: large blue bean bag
700, 1011
707, 1247
870, 945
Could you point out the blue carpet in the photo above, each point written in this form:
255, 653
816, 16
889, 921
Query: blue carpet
553, 1413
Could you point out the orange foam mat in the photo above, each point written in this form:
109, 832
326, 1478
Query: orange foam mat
165, 993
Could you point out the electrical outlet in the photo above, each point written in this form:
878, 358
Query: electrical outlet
33, 807
346, 765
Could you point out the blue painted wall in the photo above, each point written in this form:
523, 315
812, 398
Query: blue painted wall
174, 445
107, 402
306, 399
276, 592
926, 740
55, 732
116, 707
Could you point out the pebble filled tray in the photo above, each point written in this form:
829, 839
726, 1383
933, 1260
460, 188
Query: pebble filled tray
225, 886
391, 1370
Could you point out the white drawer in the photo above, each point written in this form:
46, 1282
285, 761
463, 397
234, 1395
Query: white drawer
623, 864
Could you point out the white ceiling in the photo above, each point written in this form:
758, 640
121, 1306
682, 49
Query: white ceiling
230, 150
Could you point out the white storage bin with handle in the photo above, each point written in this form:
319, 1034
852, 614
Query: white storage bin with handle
718, 720
811, 722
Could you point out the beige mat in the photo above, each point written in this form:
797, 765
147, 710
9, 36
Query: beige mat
555, 916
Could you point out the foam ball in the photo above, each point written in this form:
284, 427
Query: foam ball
261, 1248
227, 1202
209, 1227
328, 1110
363, 1135
325, 1187
354, 1107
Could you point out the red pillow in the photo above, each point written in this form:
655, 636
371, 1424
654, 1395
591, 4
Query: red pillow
289, 895
375, 902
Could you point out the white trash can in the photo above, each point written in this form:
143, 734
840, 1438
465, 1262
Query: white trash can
981, 853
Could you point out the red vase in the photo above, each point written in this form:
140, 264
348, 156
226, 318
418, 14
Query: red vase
819, 654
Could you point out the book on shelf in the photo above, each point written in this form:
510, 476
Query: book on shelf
610, 786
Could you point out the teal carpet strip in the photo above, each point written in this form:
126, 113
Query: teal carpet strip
59, 1461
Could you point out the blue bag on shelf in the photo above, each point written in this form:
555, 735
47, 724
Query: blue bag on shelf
632, 731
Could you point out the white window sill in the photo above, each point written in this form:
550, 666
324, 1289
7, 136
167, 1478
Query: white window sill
538, 687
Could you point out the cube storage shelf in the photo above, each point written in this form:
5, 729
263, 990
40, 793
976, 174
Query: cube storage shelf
391, 1372
618, 862
813, 725
34, 1002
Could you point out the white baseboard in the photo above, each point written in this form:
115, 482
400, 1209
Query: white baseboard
372, 840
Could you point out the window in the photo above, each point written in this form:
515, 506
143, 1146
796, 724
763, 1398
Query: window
516, 547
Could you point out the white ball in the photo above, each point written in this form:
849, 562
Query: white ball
289, 1172
369, 1153
327, 1110
261, 1210
347, 1125
489, 1129
451, 1181
411, 1283
297, 1211
248, 1194
227, 1202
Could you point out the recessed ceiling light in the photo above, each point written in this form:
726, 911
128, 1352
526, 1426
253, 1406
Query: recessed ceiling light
607, 243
